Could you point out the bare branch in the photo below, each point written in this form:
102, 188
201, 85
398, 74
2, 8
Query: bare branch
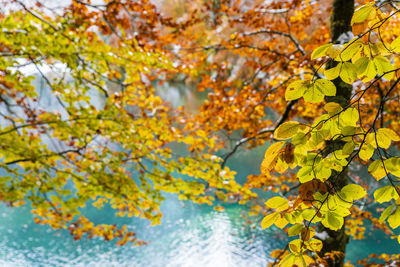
242, 141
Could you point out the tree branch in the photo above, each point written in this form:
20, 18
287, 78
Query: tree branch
242, 141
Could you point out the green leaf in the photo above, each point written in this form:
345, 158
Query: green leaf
299, 138
361, 65
394, 219
334, 50
350, 117
332, 221
348, 72
350, 50
393, 166
295, 230
370, 71
286, 130
333, 108
326, 87
395, 45
288, 260
383, 65
342, 211
348, 148
305, 174
385, 194
313, 95
354, 191
333, 73
296, 89
320, 51
362, 14
386, 213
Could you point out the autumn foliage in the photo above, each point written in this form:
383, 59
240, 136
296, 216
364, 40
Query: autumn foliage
265, 71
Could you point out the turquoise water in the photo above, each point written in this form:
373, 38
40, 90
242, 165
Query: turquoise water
190, 235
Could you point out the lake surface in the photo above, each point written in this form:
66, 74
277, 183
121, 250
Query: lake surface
190, 235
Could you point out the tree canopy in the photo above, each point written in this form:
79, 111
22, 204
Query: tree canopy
324, 93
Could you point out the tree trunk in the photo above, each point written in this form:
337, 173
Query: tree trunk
342, 12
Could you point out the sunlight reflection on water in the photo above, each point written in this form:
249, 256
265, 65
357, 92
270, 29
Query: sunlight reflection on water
189, 236
192, 236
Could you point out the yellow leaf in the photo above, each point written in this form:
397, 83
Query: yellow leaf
386, 213
359, 28
393, 166
295, 246
395, 45
325, 86
354, 191
296, 89
383, 138
342, 211
281, 222
350, 117
269, 220
348, 72
348, 148
295, 229
309, 214
308, 260
281, 166
370, 139
332, 221
320, 51
286, 130
305, 174
389, 133
333, 108
385, 194
350, 50
219, 208
377, 169
361, 65
288, 260
314, 245
363, 13
366, 152
307, 233
270, 157
334, 50
333, 73
394, 219
383, 65
278, 203
370, 71
313, 95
